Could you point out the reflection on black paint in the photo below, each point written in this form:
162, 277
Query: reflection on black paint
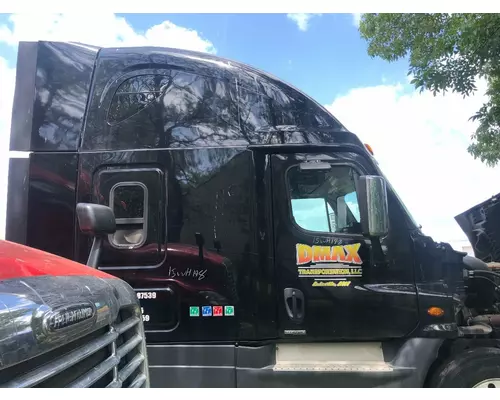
135, 94
62, 88
165, 107
50, 225
255, 115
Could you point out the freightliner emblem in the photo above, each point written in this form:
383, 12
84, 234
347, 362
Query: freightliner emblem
68, 316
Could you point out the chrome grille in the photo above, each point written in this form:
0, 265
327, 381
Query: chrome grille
113, 356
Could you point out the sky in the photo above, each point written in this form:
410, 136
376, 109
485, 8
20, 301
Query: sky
419, 140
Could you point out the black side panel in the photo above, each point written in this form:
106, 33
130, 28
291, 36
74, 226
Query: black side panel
51, 205
17, 200
438, 276
52, 87
318, 379
209, 192
22, 110
192, 366
255, 357
41, 202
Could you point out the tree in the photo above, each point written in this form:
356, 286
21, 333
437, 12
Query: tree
446, 52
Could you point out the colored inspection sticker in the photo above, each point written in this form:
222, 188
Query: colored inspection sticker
206, 311
229, 311
194, 311
218, 311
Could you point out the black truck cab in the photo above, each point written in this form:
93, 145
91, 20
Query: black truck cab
264, 244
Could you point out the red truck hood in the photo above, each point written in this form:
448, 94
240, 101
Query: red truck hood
17, 261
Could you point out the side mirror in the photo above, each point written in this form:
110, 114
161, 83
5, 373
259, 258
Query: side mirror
373, 208
97, 221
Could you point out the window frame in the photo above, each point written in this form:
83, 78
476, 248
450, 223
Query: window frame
356, 167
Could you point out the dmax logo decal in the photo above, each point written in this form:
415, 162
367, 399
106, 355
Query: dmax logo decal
68, 316
326, 254
329, 266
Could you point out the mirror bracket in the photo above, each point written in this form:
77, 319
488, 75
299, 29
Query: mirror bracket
97, 221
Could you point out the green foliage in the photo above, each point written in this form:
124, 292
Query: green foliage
446, 52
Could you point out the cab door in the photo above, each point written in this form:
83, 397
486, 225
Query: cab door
330, 285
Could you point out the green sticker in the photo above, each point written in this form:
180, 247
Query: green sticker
229, 311
194, 311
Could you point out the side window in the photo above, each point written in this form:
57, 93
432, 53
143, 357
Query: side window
324, 200
135, 94
129, 201
293, 108
175, 109
275, 107
200, 111
351, 201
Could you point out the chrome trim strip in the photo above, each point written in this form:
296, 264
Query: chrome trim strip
128, 346
139, 381
130, 367
127, 371
126, 325
95, 373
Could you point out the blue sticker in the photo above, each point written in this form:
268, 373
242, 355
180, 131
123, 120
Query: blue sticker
206, 311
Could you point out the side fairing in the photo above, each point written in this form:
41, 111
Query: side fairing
53, 83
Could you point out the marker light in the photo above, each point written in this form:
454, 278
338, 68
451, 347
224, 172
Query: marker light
435, 311
369, 148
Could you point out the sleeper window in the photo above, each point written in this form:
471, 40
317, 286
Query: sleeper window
324, 200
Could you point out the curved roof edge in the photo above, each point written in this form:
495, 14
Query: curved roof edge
208, 57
